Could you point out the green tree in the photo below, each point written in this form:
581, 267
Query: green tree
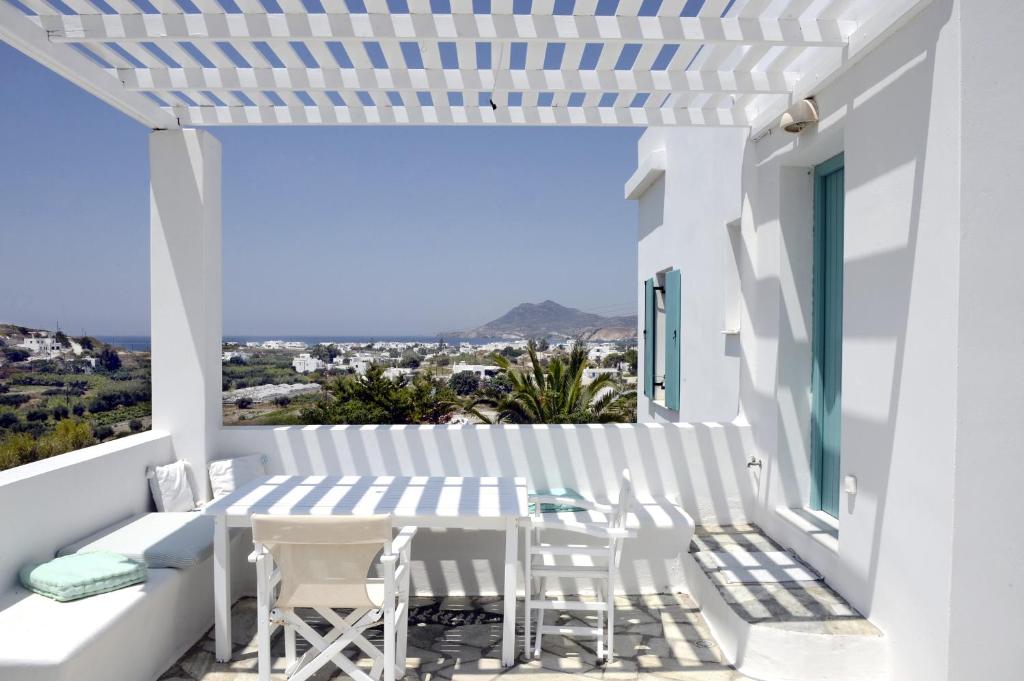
631, 357
109, 359
325, 353
62, 338
243, 402
464, 383
556, 394
375, 399
612, 359
135, 425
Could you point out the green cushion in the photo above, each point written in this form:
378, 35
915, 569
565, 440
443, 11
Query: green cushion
82, 574
557, 508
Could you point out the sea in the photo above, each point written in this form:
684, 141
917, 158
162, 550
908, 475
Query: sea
142, 343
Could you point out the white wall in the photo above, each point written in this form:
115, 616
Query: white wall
700, 466
51, 503
988, 543
683, 218
897, 117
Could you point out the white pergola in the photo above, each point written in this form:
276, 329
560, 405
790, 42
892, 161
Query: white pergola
171, 63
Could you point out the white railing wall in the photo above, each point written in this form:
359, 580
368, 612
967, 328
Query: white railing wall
699, 467
51, 503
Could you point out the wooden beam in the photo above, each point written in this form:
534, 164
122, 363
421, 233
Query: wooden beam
19, 31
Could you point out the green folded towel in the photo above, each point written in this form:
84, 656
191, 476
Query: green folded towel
546, 507
82, 574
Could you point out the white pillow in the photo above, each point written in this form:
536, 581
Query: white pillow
228, 475
171, 489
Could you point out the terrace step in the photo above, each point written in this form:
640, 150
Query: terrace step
772, 628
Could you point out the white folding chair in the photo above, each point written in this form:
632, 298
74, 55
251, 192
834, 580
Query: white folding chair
603, 528
323, 563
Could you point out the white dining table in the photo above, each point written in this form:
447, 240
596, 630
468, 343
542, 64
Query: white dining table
472, 503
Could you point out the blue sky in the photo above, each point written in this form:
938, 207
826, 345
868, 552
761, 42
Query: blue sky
386, 230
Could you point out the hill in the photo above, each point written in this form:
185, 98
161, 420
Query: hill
541, 320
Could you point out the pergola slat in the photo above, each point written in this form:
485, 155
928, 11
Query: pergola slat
517, 28
562, 80
454, 115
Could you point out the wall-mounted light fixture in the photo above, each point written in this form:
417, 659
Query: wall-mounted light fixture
799, 116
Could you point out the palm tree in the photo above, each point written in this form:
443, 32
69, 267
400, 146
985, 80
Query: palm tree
557, 394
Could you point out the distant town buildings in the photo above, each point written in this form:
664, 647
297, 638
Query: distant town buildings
306, 363
482, 371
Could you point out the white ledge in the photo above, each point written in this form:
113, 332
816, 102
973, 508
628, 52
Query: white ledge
647, 173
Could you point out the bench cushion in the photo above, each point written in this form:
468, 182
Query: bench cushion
160, 540
76, 576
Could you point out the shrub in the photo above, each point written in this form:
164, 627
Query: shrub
109, 360
102, 432
67, 436
16, 354
282, 401
16, 449
243, 402
135, 425
37, 415
8, 418
4, 388
78, 409
464, 383
13, 400
59, 413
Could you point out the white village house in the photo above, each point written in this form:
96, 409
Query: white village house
306, 363
43, 344
829, 306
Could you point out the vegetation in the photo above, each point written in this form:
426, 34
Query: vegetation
20, 448
377, 399
51, 406
556, 393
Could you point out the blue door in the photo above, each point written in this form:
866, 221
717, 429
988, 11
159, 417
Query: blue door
827, 368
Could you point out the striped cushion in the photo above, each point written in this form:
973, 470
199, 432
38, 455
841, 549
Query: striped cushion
160, 540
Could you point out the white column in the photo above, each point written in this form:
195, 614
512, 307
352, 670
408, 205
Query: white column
185, 283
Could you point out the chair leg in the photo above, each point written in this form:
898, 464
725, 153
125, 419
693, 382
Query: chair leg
540, 615
527, 590
263, 618
289, 648
610, 595
600, 633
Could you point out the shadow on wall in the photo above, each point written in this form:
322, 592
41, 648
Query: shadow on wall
884, 430
700, 467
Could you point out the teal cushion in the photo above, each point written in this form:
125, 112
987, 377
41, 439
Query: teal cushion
82, 574
557, 508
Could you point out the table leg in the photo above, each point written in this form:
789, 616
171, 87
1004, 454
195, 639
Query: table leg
222, 588
508, 639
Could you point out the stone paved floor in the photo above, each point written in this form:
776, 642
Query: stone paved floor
657, 637
809, 606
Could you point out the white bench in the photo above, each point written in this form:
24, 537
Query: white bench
132, 634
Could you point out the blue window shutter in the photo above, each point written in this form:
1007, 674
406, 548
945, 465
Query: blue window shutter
649, 311
673, 336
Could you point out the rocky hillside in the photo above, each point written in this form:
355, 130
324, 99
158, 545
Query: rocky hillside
540, 320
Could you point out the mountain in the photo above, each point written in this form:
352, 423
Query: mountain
539, 320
